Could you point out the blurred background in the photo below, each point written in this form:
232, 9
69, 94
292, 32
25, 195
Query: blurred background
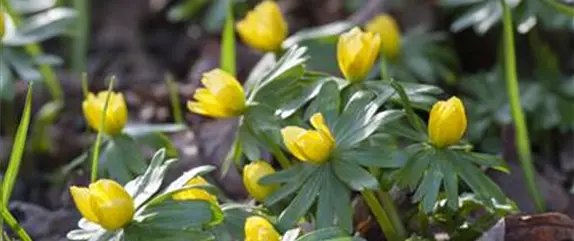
450, 43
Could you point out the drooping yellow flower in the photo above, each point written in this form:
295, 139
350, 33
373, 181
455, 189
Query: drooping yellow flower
251, 175
313, 146
195, 193
223, 96
104, 202
259, 229
447, 122
356, 53
263, 28
116, 114
389, 32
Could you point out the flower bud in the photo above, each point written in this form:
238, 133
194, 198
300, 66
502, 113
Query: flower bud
116, 114
389, 32
223, 96
195, 193
104, 202
259, 229
447, 122
263, 28
356, 53
313, 146
251, 175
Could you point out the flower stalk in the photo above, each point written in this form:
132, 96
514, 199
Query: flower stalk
521, 131
391, 232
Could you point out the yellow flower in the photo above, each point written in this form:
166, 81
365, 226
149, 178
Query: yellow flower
223, 96
251, 175
447, 122
388, 30
195, 193
259, 229
313, 146
104, 202
116, 114
356, 53
264, 27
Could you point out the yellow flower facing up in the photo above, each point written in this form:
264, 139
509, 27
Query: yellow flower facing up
259, 229
223, 96
104, 202
313, 146
389, 32
356, 53
447, 122
264, 27
116, 114
251, 175
195, 193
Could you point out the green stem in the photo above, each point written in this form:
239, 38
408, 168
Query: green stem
48, 74
98, 144
522, 139
389, 206
13, 224
563, 8
228, 42
80, 46
174, 98
384, 69
279, 155
382, 217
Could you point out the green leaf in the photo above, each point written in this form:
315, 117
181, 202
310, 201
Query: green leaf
488, 161
136, 232
185, 177
325, 210
178, 215
308, 93
370, 125
354, 175
228, 42
352, 117
22, 63
258, 72
185, 10
327, 102
249, 144
290, 66
6, 80
291, 235
303, 201
340, 198
384, 157
285, 190
32, 6
146, 185
412, 172
324, 234
42, 26
156, 141
429, 188
326, 30
482, 185
145, 129
126, 150
287, 175
17, 151
450, 183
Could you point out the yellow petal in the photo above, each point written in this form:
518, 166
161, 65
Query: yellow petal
195, 193
263, 28
222, 97
254, 171
318, 122
81, 197
316, 147
116, 113
110, 202
390, 34
355, 53
259, 229
447, 122
290, 136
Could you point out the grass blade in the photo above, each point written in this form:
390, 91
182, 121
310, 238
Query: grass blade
17, 150
98, 144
